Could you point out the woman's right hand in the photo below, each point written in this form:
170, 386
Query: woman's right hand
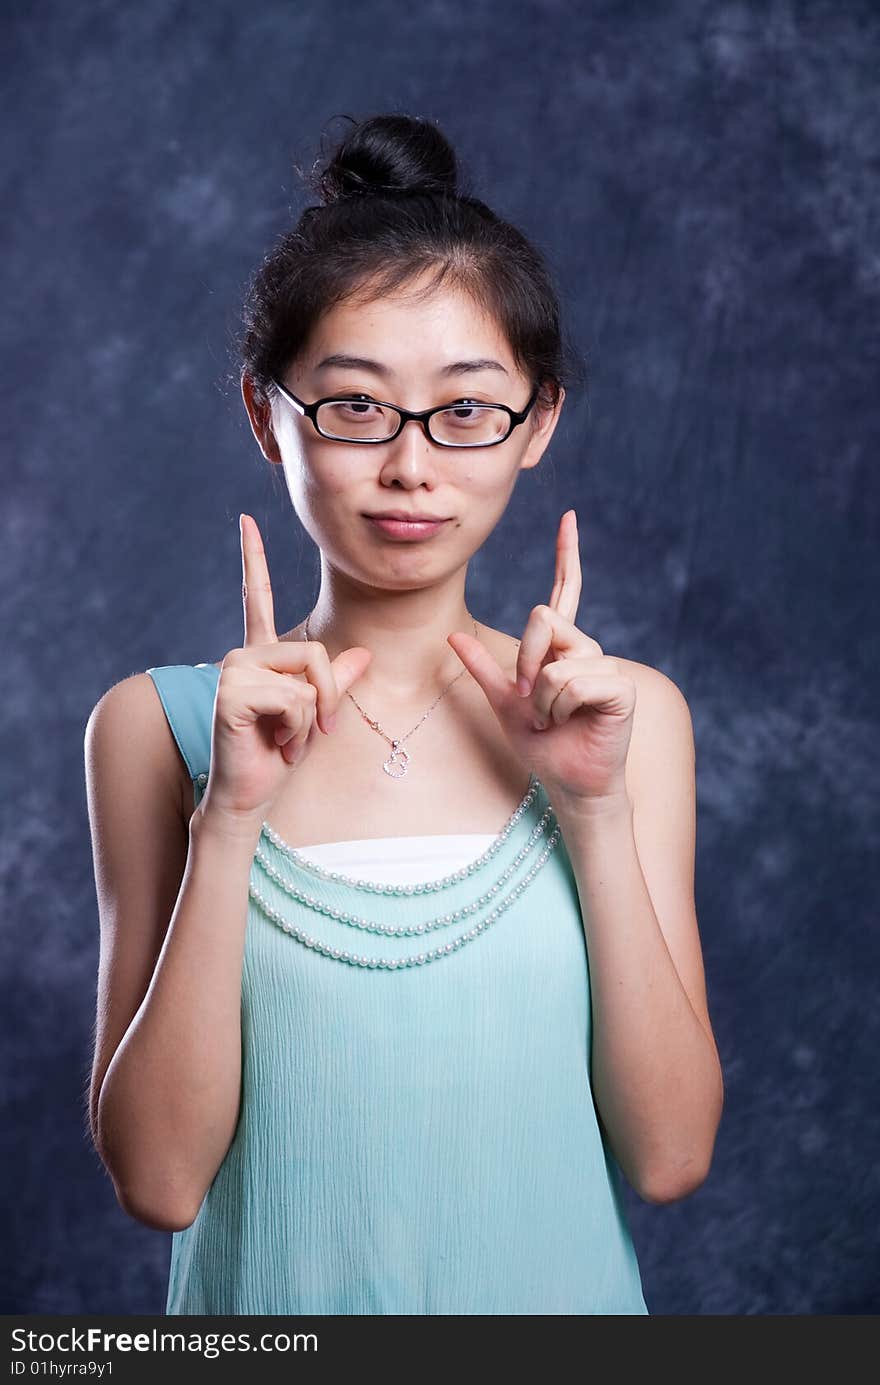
271, 696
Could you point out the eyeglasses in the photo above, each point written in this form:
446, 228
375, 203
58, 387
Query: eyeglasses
359, 418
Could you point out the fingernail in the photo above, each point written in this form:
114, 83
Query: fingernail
523, 686
539, 725
331, 722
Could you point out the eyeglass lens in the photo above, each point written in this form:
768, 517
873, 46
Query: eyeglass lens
462, 425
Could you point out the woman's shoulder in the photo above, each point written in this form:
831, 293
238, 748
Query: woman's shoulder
662, 739
652, 682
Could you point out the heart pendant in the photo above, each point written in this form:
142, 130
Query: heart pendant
397, 762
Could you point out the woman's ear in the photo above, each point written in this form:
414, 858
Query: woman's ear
544, 421
260, 415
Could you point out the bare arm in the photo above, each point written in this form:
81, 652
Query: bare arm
172, 897
655, 1066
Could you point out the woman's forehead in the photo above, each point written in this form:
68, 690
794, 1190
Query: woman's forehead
396, 331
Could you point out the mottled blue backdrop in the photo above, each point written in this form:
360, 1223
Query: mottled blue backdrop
704, 181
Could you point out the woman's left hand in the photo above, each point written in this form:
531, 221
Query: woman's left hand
572, 727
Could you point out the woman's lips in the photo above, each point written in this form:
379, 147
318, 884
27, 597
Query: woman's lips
407, 529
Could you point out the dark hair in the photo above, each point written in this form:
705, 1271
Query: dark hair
390, 210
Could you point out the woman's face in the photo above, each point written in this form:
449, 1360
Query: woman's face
416, 349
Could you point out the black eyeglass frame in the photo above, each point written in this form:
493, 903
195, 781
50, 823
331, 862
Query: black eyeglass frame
310, 411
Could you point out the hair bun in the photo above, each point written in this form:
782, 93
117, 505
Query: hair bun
388, 154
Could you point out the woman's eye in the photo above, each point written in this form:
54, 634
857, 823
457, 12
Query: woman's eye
356, 406
466, 411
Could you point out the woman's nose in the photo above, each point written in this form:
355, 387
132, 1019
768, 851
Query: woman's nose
412, 450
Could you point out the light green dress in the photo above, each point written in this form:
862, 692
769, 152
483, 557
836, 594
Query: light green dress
417, 1132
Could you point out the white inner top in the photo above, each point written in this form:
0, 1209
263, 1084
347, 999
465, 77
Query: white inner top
401, 860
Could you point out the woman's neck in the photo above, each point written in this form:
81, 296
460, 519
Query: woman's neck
405, 633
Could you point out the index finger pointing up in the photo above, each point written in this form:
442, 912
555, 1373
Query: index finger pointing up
566, 593
256, 589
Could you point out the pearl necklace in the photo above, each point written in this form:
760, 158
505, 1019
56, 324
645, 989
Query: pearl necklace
356, 921
421, 958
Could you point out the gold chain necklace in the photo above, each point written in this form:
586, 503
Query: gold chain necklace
397, 762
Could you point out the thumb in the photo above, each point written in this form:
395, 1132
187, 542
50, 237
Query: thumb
482, 667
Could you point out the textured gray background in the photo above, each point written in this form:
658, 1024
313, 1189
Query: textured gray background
704, 181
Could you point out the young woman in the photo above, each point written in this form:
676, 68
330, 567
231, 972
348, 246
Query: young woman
400, 967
